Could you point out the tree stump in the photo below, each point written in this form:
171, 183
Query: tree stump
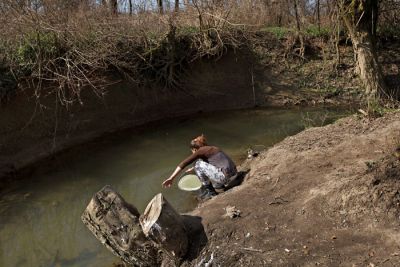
162, 224
116, 224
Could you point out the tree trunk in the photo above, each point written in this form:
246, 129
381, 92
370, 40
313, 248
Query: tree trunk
162, 224
337, 38
114, 7
299, 34
329, 7
318, 16
130, 7
375, 16
160, 6
360, 24
276, 10
176, 5
116, 224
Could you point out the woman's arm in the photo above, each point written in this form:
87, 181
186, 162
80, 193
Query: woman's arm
169, 181
189, 160
189, 170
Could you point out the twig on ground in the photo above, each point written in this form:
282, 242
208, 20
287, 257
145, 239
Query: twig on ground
278, 201
253, 249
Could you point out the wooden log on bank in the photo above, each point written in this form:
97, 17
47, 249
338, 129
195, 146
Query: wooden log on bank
116, 224
162, 224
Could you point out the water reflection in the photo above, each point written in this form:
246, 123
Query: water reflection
40, 217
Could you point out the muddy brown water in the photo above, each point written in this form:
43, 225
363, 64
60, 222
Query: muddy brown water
40, 215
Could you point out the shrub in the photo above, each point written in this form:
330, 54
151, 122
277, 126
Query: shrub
37, 45
389, 32
315, 31
188, 30
279, 32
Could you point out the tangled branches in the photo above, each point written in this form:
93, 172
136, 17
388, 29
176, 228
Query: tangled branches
59, 52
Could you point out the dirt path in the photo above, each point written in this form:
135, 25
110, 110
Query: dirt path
328, 196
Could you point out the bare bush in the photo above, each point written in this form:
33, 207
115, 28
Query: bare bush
65, 46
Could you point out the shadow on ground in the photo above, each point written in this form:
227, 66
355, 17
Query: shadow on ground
238, 180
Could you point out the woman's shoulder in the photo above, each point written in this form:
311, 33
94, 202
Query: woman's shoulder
209, 149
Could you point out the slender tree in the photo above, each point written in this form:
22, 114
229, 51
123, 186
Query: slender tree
360, 18
318, 15
130, 7
160, 6
114, 6
298, 27
176, 5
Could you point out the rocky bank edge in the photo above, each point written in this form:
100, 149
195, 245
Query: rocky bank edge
327, 196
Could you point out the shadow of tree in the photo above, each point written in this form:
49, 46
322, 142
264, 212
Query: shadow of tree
197, 236
393, 84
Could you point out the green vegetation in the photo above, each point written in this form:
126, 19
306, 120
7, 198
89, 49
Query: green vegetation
379, 107
189, 30
311, 31
387, 31
315, 31
35, 47
37, 44
279, 32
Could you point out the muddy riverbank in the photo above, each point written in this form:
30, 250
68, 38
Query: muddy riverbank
328, 196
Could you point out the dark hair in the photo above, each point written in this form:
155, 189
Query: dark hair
198, 142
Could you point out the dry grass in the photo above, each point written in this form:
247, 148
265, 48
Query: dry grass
65, 46
68, 50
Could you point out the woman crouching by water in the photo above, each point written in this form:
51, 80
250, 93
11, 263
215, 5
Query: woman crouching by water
212, 166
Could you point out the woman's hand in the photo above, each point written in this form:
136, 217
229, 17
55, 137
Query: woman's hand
167, 183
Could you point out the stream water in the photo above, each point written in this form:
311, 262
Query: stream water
40, 215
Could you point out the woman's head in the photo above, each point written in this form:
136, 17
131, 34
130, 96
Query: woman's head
198, 142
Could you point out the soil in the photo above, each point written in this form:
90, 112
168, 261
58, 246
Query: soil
327, 196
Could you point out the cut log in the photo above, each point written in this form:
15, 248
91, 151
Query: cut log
116, 224
162, 224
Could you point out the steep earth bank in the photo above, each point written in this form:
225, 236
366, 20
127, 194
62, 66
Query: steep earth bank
327, 196
32, 130
269, 75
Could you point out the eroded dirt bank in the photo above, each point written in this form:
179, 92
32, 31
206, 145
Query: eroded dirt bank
32, 130
328, 196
